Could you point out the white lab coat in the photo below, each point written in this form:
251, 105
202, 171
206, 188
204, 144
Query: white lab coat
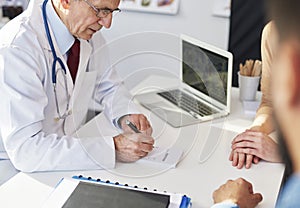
32, 138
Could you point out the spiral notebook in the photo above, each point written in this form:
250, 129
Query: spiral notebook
79, 191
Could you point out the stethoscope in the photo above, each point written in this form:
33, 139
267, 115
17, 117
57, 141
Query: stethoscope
62, 69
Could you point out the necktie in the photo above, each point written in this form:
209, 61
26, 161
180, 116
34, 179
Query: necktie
73, 59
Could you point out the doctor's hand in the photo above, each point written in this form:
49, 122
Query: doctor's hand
251, 146
132, 146
139, 120
239, 192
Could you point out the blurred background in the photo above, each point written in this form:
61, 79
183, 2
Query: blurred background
143, 43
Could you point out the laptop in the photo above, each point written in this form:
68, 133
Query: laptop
204, 90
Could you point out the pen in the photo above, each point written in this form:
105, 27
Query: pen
132, 126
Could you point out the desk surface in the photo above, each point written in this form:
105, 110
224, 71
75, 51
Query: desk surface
195, 176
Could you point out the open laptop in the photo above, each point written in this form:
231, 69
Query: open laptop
204, 91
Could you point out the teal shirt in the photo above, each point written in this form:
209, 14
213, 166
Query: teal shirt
290, 195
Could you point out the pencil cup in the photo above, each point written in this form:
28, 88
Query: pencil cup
248, 87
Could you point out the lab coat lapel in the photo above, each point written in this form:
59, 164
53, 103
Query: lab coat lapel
83, 90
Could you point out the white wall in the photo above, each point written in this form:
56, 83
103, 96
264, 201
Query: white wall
147, 43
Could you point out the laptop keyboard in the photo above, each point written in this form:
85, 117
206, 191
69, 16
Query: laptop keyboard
187, 102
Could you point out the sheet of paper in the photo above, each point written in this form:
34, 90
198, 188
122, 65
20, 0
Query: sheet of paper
162, 156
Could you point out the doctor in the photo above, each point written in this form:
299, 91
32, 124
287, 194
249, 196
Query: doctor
42, 104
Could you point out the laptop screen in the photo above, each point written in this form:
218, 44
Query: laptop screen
205, 71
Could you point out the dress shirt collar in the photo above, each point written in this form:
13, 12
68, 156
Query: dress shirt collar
63, 37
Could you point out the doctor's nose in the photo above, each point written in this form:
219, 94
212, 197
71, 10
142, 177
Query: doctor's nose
106, 21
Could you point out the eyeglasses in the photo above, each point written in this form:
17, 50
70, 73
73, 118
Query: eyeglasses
102, 13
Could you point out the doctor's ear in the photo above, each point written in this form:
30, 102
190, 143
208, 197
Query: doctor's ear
65, 3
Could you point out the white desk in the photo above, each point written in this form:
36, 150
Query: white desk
197, 180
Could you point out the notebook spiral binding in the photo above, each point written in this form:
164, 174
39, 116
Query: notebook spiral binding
80, 177
186, 201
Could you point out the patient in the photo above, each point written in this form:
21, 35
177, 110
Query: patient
258, 142
286, 84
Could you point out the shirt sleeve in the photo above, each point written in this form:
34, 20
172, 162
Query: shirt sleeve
263, 119
225, 205
289, 195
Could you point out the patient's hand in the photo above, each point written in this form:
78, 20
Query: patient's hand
251, 146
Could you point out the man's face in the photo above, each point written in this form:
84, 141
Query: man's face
81, 19
285, 97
